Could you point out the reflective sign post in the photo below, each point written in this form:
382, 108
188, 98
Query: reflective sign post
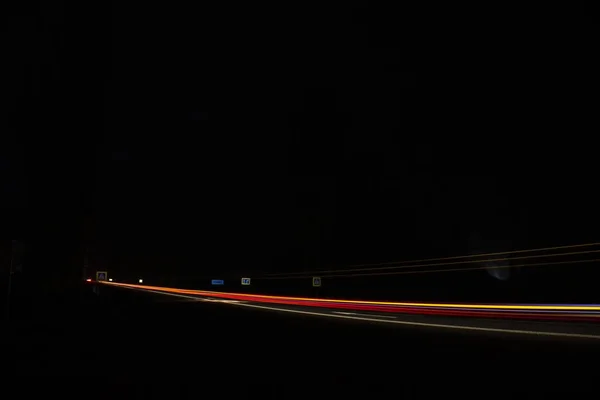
101, 276
316, 282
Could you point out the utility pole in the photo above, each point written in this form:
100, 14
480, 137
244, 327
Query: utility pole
10, 273
84, 272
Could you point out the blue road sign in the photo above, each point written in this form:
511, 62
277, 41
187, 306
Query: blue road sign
217, 282
316, 281
246, 281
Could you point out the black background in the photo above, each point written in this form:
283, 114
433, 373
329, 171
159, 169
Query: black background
182, 144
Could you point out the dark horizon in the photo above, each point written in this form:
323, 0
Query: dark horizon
274, 149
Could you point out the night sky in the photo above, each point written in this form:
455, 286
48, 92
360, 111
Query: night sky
193, 143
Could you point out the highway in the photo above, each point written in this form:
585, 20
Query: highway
555, 321
142, 339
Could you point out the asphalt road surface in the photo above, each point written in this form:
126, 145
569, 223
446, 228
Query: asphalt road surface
571, 330
127, 340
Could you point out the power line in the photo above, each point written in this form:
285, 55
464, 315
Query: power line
446, 258
463, 262
437, 270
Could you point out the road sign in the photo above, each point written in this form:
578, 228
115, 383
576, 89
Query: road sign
246, 281
101, 276
316, 281
217, 282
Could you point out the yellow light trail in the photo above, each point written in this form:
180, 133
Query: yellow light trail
398, 322
359, 302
